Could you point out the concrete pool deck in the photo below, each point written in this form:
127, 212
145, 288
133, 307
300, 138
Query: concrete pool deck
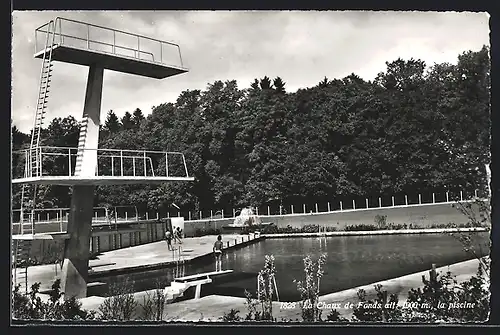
139, 258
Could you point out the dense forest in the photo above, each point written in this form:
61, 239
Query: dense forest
413, 129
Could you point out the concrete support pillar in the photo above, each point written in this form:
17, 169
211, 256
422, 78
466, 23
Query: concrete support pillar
76, 252
89, 134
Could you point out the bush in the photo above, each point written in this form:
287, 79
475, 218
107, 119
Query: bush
381, 221
309, 289
120, 304
360, 227
265, 292
153, 306
232, 316
438, 301
30, 305
335, 316
382, 309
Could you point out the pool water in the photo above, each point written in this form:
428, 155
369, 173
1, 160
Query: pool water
351, 261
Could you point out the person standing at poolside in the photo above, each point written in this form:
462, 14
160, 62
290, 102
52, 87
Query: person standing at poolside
168, 237
218, 253
178, 235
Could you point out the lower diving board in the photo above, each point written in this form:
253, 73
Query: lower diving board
181, 284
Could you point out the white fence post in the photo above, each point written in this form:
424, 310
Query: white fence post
392, 201
268, 211
304, 208
367, 203
291, 207
447, 197
328, 206
341, 205
461, 196
406, 200
353, 204
316, 207
379, 201
433, 198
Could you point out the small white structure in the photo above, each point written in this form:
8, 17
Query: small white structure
178, 222
247, 217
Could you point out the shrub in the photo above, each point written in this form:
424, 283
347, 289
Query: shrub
334, 316
153, 306
265, 292
360, 227
382, 309
309, 288
232, 316
31, 306
120, 304
381, 221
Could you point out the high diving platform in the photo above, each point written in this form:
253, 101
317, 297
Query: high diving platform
87, 44
85, 166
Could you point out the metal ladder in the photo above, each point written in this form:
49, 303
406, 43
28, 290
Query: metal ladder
22, 247
81, 144
45, 78
33, 162
180, 269
21, 261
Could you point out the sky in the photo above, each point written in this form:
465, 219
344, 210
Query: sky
301, 47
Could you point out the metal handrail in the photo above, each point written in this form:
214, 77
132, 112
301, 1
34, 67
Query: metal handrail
116, 30
120, 154
101, 149
57, 25
104, 43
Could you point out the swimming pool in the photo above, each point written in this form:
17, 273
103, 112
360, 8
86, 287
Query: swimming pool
351, 261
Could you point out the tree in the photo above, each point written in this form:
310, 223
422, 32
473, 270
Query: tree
127, 122
279, 85
112, 124
137, 117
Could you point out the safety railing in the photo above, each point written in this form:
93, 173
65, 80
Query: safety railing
63, 161
76, 34
56, 219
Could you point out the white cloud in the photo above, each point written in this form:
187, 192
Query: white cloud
300, 47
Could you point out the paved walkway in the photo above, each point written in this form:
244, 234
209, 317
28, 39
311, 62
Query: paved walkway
212, 308
146, 256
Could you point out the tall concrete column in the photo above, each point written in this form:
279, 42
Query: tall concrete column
77, 248
89, 132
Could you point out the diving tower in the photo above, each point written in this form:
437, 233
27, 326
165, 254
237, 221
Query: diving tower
86, 166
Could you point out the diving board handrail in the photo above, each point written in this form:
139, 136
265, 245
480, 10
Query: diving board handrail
77, 30
110, 162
